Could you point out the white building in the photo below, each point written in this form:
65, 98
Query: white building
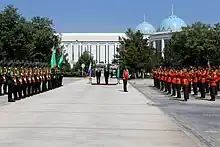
103, 45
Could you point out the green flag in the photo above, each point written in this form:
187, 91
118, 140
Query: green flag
118, 72
53, 61
60, 63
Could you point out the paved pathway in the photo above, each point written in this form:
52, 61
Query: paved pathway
198, 116
66, 80
82, 115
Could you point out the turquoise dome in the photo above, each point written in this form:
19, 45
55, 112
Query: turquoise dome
172, 23
145, 28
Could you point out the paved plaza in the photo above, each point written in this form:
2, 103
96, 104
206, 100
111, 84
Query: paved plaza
66, 80
82, 115
199, 117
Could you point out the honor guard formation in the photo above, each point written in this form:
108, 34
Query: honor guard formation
187, 80
20, 80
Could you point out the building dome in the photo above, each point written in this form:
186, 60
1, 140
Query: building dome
172, 23
145, 28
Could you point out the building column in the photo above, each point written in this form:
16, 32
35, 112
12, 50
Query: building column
71, 55
114, 50
90, 50
105, 53
154, 44
81, 48
80, 51
162, 47
108, 53
96, 53
99, 50
116, 46
75, 45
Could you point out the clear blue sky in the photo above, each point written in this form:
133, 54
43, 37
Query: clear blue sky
114, 15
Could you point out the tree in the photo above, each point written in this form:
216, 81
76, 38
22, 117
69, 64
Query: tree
195, 44
86, 59
135, 52
9, 20
22, 39
115, 61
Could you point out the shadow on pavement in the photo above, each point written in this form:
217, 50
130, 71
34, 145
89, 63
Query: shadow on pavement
176, 99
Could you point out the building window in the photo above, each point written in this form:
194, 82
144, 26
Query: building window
90, 50
96, 55
114, 51
99, 54
108, 54
158, 48
105, 52
78, 51
73, 52
81, 49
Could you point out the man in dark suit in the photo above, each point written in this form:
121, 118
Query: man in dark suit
98, 75
106, 75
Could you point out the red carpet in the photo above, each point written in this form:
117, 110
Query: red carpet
104, 84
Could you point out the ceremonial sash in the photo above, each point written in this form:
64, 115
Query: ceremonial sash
38, 80
185, 82
25, 80
20, 80
15, 81
33, 79
29, 79
4, 79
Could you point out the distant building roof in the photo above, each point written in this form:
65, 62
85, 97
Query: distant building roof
80, 37
172, 23
145, 28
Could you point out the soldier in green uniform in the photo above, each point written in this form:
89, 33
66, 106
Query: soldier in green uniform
29, 83
32, 82
38, 81
9, 76
60, 75
24, 77
5, 81
56, 78
53, 78
1, 81
44, 82
20, 84
15, 84
49, 86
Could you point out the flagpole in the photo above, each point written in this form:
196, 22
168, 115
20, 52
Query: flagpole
90, 73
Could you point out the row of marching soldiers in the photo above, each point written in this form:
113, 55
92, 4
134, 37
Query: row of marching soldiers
25, 82
173, 81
